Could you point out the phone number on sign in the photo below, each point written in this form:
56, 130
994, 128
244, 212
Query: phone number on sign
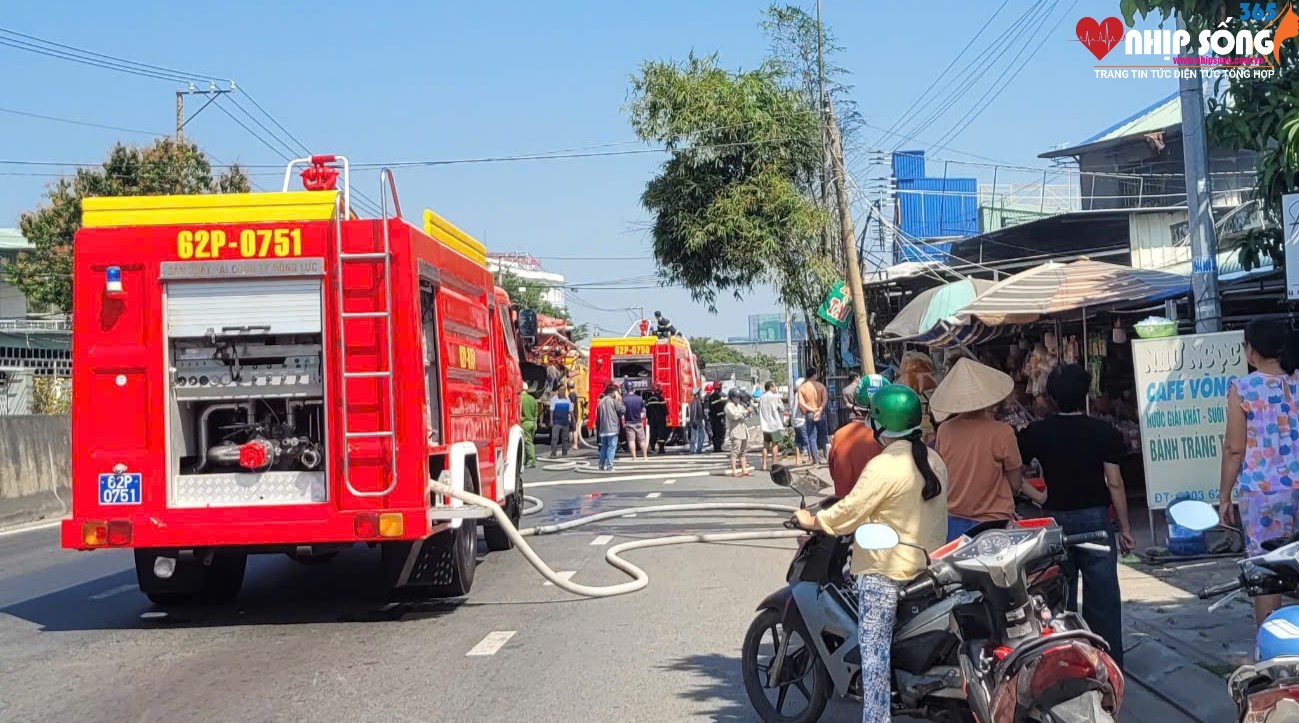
1167, 498
251, 243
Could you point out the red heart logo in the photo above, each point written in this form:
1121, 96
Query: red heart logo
1100, 38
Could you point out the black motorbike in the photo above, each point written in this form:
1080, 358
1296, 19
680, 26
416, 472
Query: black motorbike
980, 635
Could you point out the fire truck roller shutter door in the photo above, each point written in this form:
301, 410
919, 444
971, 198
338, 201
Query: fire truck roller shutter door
273, 306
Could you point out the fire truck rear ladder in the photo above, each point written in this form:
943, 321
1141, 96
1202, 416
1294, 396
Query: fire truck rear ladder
385, 375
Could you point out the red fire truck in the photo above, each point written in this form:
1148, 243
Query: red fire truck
644, 362
267, 372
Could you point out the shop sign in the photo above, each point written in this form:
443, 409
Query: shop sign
1290, 219
1182, 385
837, 306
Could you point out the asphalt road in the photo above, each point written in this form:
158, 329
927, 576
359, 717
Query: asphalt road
308, 643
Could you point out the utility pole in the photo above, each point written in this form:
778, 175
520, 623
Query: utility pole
849, 240
830, 356
180, 116
181, 121
1199, 204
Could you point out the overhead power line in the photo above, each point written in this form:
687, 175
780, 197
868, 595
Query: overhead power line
76, 54
80, 122
924, 96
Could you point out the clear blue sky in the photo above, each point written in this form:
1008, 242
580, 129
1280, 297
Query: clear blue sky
391, 81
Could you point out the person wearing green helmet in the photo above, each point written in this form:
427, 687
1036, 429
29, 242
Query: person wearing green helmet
854, 444
905, 487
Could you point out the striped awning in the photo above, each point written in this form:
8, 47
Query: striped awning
1055, 288
946, 334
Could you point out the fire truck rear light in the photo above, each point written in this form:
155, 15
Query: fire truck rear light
119, 533
366, 525
392, 524
94, 533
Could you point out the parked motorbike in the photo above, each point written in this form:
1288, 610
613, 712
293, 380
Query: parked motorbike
980, 635
1267, 691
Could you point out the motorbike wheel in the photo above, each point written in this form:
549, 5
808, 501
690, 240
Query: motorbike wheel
801, 693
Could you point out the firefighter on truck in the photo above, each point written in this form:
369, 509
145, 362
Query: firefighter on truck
269, 373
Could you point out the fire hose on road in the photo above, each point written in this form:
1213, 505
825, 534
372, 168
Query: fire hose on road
639, 577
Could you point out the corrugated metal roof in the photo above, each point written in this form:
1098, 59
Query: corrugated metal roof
1164, 113
1157, 116
12, 240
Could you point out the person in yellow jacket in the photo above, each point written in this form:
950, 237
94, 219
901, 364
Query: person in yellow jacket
905, 487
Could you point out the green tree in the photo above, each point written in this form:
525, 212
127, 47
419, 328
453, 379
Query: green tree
529, 294
44, 274
1254, 114
735, 203
711, 351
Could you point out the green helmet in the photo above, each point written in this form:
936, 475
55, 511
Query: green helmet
866, 389
896, 410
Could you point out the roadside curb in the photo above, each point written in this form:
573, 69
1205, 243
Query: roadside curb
1177, 680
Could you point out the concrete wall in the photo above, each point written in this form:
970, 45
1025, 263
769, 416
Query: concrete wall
35, 467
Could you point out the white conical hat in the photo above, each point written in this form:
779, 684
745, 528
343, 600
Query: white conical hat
968, 387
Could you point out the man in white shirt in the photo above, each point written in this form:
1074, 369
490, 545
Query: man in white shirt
771, 410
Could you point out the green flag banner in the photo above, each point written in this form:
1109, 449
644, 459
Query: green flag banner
837, 306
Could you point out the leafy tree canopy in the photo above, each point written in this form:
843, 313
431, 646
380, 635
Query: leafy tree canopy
734, 205
711, 351
44, 274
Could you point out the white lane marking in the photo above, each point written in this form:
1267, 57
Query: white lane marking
653, 495
627, 478
492, 643
30, 528
669, 481
631, 515
110, 592
602, 540
564, 575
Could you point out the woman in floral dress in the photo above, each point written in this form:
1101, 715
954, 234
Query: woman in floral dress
1260, 457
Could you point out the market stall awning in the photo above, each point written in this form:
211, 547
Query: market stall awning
934, 305
1055, 288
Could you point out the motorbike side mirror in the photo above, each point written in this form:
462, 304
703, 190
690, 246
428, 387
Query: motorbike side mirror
1193, 515
780, 475
876, 536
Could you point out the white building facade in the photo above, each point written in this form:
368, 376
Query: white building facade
529, 269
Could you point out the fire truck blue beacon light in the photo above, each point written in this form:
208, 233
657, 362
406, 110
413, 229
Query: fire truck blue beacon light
113, 280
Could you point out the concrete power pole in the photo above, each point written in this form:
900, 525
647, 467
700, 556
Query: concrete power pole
212, 94
849, 239
1199, 205
180, 116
